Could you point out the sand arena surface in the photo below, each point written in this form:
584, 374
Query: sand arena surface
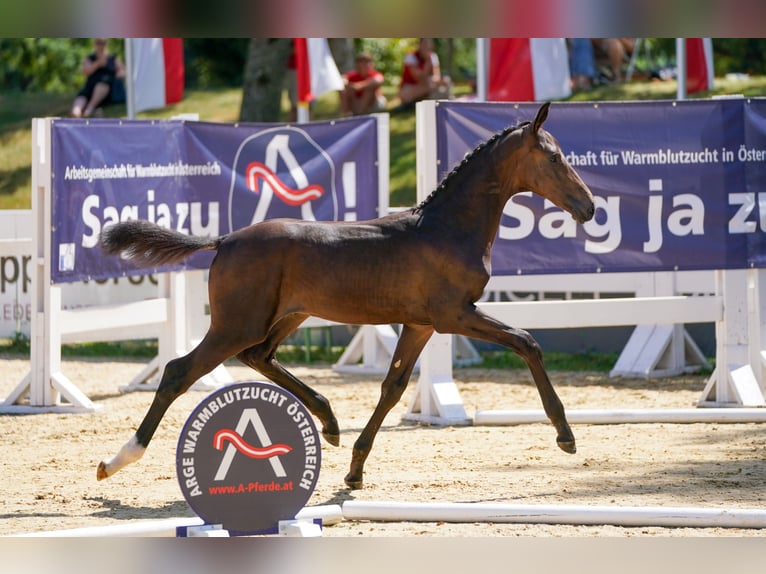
48, 461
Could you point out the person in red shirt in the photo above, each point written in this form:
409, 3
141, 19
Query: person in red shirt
362, 94
421, 76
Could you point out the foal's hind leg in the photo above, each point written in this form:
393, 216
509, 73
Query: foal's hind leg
473, 323
178, 376
408, 348
261, 358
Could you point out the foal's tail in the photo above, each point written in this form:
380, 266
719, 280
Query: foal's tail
148, 243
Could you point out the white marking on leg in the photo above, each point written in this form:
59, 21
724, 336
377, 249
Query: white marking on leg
130, 452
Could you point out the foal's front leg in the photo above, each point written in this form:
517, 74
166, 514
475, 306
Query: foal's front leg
477, 325
408, 348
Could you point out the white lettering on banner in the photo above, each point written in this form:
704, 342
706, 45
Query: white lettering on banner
740, 222
687, 219
668, 156
556, 223
604, 231
188, 217
746, 154
610, 229
582, 159
665, 156
522, 214
129, 171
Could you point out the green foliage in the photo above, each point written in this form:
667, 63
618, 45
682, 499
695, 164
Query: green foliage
18, 344
402, 184
463, 62
598, 362
49, 65
139, 348
739, 55
313, 354
214, 62
731, 55
143, 349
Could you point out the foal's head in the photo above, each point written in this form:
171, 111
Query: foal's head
540, 166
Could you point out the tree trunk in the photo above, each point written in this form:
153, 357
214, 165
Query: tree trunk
449, 69
343, 53
264, 76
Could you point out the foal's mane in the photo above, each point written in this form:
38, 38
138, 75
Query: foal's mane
467, 159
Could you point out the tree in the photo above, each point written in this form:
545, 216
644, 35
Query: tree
342, 52
43, 64
264, 78
215, 62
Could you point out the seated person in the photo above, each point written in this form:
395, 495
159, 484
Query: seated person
616, 52
100, 70
582, 63
421, 76
362, 93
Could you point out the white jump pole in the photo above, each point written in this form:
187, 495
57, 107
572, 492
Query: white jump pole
554, 514
623, 416
144, 529
330, 514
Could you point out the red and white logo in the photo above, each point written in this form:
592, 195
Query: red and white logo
248, 457
237, 444
286, 174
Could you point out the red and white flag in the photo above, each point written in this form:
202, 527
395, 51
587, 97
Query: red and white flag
699, 65
156, 72
528, 69
315, 69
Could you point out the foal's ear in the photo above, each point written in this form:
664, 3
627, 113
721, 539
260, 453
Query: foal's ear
542, 114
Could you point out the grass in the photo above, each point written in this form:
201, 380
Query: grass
297, 354
599, 362
290, 353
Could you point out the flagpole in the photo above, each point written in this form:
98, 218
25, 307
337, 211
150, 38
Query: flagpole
303, 115
129, 88
681, 67
482, 60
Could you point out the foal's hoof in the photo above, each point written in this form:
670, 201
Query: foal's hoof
332, 437
353, 483
567, 446
101, 473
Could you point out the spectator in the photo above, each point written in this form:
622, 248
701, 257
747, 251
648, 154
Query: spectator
362, 93
421, 76
616, 51
103, 84
582, 63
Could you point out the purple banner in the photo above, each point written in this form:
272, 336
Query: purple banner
678, 185
201, 178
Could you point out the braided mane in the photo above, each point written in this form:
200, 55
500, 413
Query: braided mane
467, 159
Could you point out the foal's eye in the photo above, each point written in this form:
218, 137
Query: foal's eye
555, 158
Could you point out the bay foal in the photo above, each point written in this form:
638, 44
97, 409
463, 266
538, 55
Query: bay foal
423, 268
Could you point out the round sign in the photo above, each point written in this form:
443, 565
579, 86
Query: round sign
248, 457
